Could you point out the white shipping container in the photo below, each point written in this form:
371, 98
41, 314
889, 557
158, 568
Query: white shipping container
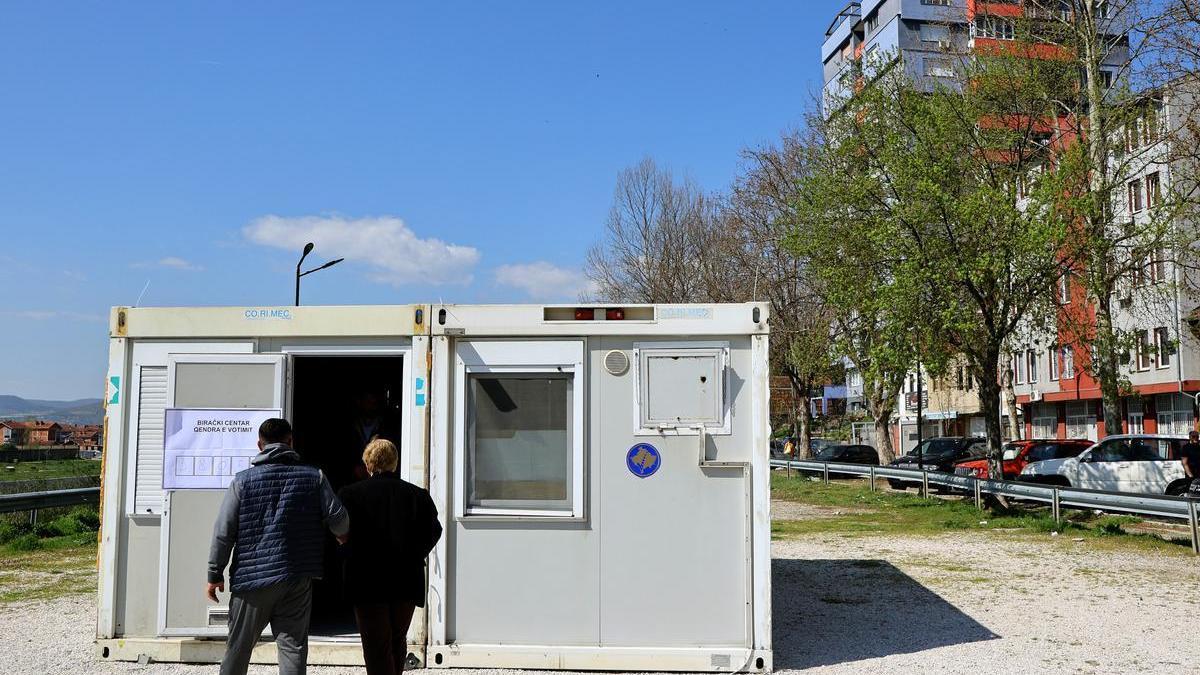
601, 474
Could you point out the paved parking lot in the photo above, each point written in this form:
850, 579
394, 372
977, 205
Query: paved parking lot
958, 603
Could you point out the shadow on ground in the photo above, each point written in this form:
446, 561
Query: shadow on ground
840, 611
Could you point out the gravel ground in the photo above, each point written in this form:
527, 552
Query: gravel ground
959, 603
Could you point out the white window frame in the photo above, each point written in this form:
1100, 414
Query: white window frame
1052, 361
509, 357
645, 350
150, 355
1032, 365
1144, 360
1018, 368
1067, 372
1162, 340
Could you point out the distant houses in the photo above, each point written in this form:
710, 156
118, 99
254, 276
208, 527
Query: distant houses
44, 433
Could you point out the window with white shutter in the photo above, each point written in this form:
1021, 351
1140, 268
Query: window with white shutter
152, 402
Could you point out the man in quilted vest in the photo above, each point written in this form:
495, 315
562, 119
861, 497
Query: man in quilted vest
273, 522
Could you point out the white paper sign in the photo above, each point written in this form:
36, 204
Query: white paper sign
203, 449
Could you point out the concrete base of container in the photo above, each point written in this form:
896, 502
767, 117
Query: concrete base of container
197, 650
697, 660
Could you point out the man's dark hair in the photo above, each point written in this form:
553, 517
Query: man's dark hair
274, 430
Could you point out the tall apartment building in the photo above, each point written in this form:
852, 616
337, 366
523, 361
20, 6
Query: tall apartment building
1055, 395
928, 38
1155, 305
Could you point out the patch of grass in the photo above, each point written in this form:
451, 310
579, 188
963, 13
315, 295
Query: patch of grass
56, 468
25, 542
61, 566
898, 513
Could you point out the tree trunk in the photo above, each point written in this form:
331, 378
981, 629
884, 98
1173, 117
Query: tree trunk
880, 408
1010, 405
801, 418
1108, 370
989, 402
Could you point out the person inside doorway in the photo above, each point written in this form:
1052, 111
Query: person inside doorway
394, 525
1189, 456
370, 418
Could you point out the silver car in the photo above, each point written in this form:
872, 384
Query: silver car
1144, 463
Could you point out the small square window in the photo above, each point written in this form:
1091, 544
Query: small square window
682, 387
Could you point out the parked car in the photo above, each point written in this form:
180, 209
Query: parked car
1145, 463
848, 454
1016, 454
817, 445
939, 454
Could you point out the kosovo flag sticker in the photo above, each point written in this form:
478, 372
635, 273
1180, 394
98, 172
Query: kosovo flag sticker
643, 460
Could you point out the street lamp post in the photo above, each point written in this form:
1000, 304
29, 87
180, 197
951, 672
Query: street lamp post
308, 249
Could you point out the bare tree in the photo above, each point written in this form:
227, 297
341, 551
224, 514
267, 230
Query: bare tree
662, 242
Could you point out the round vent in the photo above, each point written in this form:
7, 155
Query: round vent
616, 363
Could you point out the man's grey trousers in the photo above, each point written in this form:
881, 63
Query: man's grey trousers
287, 607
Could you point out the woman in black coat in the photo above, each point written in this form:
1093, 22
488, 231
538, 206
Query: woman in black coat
393, 527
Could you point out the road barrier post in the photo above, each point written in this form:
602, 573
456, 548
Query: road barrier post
1195, 528
872, 479
925, 484
826, 472
1056, 507
789, 468
978, 495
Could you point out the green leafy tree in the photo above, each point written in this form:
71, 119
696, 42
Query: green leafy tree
951, 199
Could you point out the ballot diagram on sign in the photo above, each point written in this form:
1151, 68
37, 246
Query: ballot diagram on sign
203, 449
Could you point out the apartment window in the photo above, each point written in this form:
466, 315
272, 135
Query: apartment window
1081, 422
872, 22
937, 3
1135, 195
1153, 190
871, 51
1164, 346
993, 27
1068, 363
1143, 350
1052, 360
1064, 288
1018, 370
1135, 415
1106, 79
1158, 265
935, 33
1174, 414
1031, 363
938, 68
1150, 124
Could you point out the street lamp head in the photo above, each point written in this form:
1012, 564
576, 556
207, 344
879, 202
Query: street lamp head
308, 248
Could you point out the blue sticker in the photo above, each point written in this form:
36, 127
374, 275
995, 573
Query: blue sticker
420, 383
643, 460
114, 389
420, 400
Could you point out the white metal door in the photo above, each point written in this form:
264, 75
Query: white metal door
200, 381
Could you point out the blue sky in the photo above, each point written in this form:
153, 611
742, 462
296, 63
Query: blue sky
456, 151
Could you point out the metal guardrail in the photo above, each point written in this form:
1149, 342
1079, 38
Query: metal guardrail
33, 501
1162, 506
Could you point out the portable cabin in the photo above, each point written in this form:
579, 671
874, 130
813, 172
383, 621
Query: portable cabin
601, 473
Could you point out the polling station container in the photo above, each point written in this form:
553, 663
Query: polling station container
601, 473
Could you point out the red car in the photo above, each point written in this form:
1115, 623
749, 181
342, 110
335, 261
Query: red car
1019, 453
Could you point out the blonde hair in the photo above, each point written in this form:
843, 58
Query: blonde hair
380, 455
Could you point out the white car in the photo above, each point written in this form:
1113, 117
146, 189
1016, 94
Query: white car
1144, 463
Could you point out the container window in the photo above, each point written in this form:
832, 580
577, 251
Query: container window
520, 442
520, 452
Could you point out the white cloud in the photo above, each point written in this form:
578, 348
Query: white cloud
392, 251
542, 280
171, 262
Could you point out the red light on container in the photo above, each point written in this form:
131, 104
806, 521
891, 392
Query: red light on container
584, 314
614, 314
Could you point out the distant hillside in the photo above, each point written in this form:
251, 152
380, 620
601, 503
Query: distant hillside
80, 411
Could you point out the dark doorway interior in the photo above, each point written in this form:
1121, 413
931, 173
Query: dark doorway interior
338, 404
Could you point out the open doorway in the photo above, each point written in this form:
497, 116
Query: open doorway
339, 403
